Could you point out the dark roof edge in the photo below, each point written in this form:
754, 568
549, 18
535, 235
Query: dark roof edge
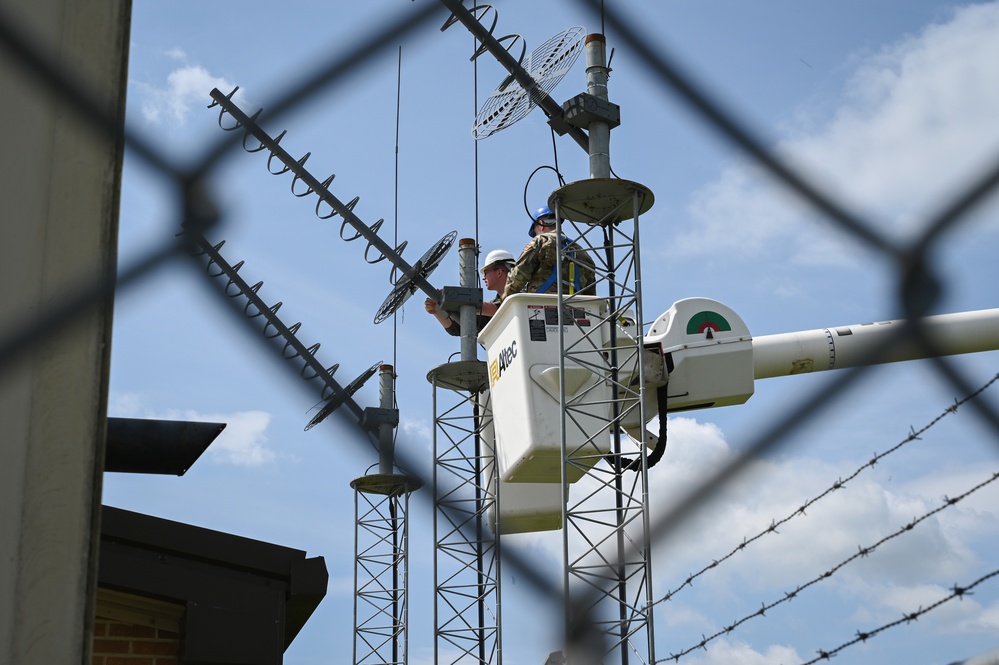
307, 578
196, 542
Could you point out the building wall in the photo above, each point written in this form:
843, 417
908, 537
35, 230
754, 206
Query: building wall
130, 629
60, 189
120, 643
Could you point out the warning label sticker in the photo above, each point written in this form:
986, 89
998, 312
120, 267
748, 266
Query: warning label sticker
543, 319
537, 331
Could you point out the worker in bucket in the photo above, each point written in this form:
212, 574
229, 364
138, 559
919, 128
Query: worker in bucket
535, 271
495, 270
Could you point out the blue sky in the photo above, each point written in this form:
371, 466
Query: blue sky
889, 106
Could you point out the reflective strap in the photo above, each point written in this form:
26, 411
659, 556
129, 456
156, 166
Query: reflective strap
547, 284
573, 273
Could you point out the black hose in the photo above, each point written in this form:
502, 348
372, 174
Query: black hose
657, 452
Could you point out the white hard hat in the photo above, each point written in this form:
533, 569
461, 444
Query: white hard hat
498, 256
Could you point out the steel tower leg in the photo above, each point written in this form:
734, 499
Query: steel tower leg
608, 574
381, 545
466, 552
381, 570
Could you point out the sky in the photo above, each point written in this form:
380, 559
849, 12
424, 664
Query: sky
888, 107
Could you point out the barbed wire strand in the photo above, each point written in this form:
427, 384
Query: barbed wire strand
863, 636
839, 484
862, 552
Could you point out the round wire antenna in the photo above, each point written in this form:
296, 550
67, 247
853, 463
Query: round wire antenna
547, 65
404, 288
336, 400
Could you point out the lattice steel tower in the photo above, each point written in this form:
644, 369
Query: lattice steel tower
583, 350
466, 554
381, 544
608, 573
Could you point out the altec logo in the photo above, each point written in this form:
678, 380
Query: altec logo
502, 363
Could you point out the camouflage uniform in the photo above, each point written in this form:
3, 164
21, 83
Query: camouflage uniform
537, 263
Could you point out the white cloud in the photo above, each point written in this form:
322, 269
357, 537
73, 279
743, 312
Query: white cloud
242, 443
831, 531
971, 513
127, 405
914, 126
904, 600
684, 619
963, 615
417, 429
900, 575
986, 621
725, 652
186, 87
340, 586
244, 440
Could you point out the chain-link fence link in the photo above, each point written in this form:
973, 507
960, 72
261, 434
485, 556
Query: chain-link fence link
913, 261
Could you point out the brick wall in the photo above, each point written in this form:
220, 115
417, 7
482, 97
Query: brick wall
120, 643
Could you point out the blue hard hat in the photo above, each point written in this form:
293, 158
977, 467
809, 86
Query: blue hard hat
543, 211
540, 213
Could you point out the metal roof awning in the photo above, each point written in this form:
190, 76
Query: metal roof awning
168, 447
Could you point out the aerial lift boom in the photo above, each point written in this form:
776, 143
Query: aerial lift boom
699, 351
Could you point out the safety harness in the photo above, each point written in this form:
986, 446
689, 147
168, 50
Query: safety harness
574, 284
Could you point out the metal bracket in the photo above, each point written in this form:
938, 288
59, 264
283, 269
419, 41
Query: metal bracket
656, 373
584, 109
559, 125
374, 416
454, 297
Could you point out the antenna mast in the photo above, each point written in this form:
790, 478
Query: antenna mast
608, 572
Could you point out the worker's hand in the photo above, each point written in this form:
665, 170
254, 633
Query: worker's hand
431, 306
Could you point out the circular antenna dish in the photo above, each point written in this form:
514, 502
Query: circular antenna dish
547, 65
338, 399
404, 288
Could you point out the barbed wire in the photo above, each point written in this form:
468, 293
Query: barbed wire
861, 553
863, 636
839, 484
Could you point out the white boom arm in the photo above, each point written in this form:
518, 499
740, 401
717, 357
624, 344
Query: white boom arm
850, 346
712, 360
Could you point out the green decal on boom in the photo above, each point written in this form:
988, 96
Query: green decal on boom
701, 321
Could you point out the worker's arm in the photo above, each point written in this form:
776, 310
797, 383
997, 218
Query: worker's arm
449, 324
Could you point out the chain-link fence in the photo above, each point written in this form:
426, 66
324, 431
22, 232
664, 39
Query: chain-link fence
913, 263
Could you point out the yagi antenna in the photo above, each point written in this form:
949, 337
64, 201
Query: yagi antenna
291, 348
413, 277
